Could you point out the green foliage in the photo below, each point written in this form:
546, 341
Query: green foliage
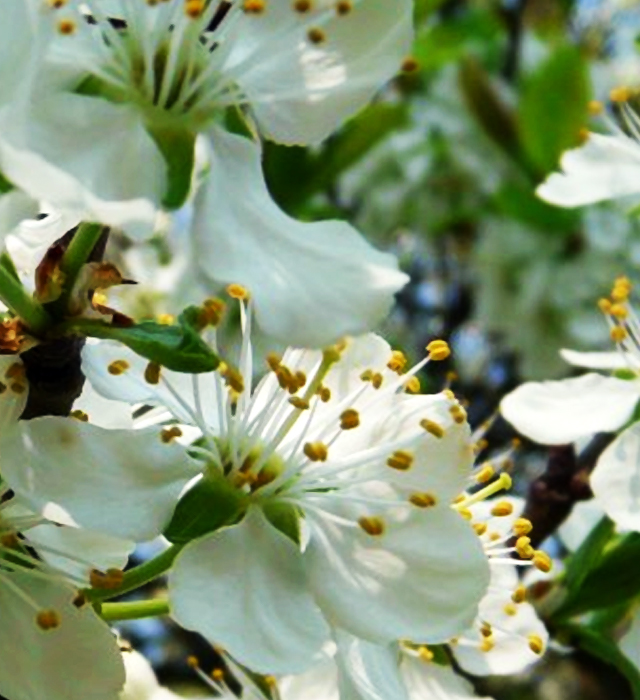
205, 508
611, 577
596, 644
553, 107
295, 174
588, 555
177, 347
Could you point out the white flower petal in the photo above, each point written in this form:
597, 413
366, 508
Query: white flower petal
559, 412
616, 479
311, 283
79, 660
102, 412
603, 168
301, 91
121, 482
585, 515
97, 550
595, 360
422, 579
368, 671
320, 682
244, 587
429, 681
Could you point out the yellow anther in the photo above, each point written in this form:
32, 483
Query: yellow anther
618, 311
524, 548
302, 6
425, 654
618, 334
166, 319
372, 525
376, 380
487, 644
485, 474
519, 595
167, 435
410, 65
66, 27
495, 536
273, 360
79, 599
332, 354
412, 385
522, 526
432, 427
438, 350
510, 609
316, 451
108, 580
217, 674
502, 508
458, 413
118, 367
623, 282
620, 94
194, 8
398, 362
316, 35
583, 136
423, 500
193, 662
301, 378
237, 291
485, 629
152, 373
366, 375
449, 394
212, 312
480, 528
271, 681
604, 305
400, 460
344, 7
349, 419
48, 620
17, 387
56, 4
79, 415
254, 7
465, 513
232, 378
324, 393
15, 371
595, 107
299, 403
542, 561
535, 644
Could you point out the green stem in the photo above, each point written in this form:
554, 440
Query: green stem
135, 610
21, 303
137, 577
75, 256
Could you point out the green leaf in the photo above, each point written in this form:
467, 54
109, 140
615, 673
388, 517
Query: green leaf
520, 202
606, 650
177, 347
489, 110
178, 148
205, 508
554, 107
588, 555
612, 581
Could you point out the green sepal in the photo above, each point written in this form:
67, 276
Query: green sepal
205, 508
284, 517
595, 644
5, 185
178, 149
624, 373
177, 347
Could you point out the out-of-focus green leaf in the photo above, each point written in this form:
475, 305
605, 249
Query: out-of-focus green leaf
606, 650
294, 174
612, 581
492, 114
443, 42
177, 347
423, 8
554, 107
520, 202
